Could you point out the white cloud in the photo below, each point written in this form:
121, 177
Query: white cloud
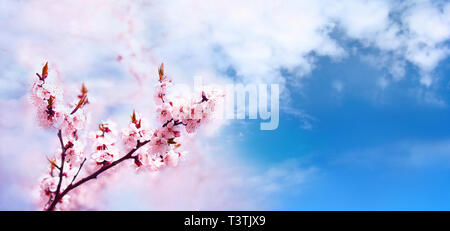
210, 179
426, 80
418, 34
255, 38
338, 86
383, 82
83, 40
306, 120
284, 176
428, 97
360, 19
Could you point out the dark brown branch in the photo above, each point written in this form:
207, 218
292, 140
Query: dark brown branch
61, 170
60, 139
177, 122
74, 110
40, 78
59, 196
94, 175
166, 123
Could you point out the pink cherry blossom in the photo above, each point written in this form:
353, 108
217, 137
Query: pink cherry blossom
104, 143
163, 113
181, 111
75, 153
47, 98
49, 184
137, 131
172, 158
73, 123
145, 161
155, 163
192, 125
160, 94
196, 111
172, 130
105, 155
150, 149
158, 143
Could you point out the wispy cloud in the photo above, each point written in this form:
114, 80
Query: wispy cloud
254, 39
115, 46
404, 154
306, 120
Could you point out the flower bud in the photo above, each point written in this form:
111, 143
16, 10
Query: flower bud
161, 72
44, 71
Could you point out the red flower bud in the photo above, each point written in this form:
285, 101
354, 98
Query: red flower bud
44, 71
161, 72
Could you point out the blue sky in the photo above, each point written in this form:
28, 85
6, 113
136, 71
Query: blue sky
363, 140
364, 104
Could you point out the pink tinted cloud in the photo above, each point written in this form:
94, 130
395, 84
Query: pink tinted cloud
79, 39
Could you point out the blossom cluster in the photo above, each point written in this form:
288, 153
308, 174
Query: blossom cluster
105, 140
151, 149
49, 184
164, 146
46, 96
70, 118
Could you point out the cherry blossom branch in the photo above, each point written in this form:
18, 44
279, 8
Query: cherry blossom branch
177, 122
79, 105
94, 175
166, 123
71, 186
61, 169
162, 151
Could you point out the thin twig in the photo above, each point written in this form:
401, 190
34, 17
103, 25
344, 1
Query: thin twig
166, 123
74, 110
52, 163
79, 169
79, 105
178, 123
